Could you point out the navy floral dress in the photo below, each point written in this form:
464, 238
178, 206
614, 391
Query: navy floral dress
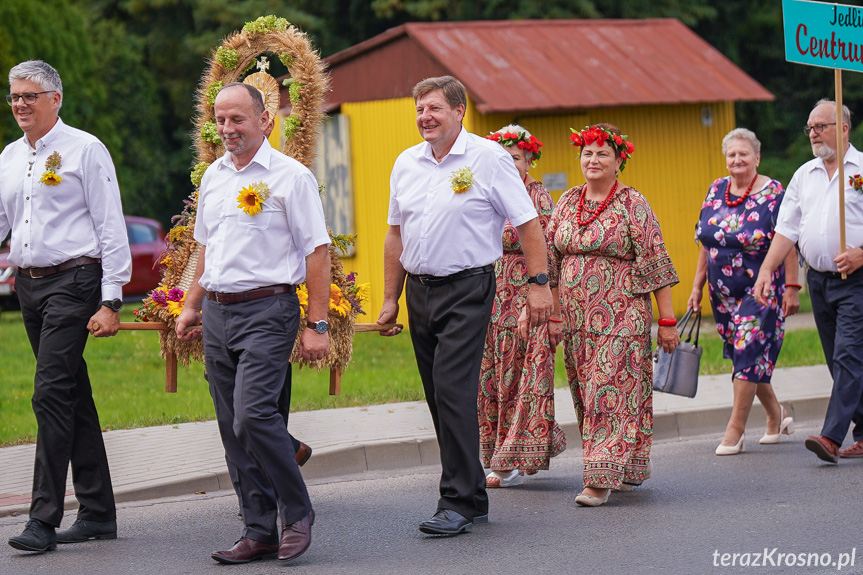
737, 239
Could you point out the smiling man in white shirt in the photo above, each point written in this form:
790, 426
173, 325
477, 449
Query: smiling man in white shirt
808, 217
450, 197
251, 260
60, 199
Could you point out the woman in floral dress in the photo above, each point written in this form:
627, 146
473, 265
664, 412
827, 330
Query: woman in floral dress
608, 256
735, 229
517, 430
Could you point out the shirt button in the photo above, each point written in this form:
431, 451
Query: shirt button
27, 198
26, 221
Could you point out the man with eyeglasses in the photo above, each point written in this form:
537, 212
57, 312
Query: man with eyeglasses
59, 198
809, 217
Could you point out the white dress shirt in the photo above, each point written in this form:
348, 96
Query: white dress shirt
444, 232
247, 252
810, 211
80, 216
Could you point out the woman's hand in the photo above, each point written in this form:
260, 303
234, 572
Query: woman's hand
790, 301
694, 301
667, 338
555, 333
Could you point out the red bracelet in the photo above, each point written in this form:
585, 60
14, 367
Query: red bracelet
667, 322
798, 286
555, 320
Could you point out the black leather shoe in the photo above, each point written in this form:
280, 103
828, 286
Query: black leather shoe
38, 537
303, 454
446, 522
83, 530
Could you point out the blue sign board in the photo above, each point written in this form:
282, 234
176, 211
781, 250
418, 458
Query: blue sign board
824, 35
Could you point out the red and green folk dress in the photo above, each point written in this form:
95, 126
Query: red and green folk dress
517, 429
606, 271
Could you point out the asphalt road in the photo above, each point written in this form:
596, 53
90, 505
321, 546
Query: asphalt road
697, 508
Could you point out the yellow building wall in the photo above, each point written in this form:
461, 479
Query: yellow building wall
676, 157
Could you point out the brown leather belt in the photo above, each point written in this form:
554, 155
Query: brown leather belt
224, 297
37, 273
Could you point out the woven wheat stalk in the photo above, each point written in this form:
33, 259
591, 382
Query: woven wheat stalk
238, 54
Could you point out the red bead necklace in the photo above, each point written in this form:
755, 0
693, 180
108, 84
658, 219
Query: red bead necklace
595, 213
734, 203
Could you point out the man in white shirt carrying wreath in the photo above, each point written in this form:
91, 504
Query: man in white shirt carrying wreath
450, 197
60, 199
809, 217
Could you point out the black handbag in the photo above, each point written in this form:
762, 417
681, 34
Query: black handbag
677, 372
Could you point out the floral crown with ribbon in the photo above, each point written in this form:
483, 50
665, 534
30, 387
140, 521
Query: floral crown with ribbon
520, 140
600, 135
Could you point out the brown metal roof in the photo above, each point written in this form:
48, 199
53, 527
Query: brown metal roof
545, 65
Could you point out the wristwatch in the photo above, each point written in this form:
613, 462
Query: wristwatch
538, 279
319, 326
115, 304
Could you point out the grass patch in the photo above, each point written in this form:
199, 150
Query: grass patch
128, 377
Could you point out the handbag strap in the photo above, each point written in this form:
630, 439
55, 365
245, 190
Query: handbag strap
694, 327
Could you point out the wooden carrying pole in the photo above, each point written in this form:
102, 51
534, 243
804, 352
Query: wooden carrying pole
171, 359
840, 154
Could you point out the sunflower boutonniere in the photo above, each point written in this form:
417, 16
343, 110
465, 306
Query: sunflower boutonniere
461, 180
52, 164
252, 197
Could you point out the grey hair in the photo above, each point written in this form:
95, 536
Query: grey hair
846, 112
40, 73
515, 129
741, 134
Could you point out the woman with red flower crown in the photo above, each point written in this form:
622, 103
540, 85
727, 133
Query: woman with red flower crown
517, 431
606, 257
735, 229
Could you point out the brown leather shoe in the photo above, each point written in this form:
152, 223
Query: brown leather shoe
853, 450
303, 454
825, 448
243, 551
296, 538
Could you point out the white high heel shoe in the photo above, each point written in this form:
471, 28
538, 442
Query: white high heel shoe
731, 449
785, 428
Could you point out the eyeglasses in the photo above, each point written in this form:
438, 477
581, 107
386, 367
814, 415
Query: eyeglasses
817, 127
29, 97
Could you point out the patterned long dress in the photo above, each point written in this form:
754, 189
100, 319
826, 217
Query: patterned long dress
737, 239
517, 429
606, 271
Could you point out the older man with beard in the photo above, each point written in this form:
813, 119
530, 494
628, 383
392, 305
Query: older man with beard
808, 217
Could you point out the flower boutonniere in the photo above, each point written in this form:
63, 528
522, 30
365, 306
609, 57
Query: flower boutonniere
461, 180
252, 197
856, 182
50, 177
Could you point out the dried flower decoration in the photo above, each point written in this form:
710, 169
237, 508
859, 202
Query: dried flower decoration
461, 180
50, 177
252, 198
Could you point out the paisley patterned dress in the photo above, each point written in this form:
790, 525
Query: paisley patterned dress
605, 272
517, 429
737, 239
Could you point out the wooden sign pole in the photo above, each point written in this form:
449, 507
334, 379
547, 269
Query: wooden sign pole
840, 154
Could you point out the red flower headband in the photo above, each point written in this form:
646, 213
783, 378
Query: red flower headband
600, 135
520, 140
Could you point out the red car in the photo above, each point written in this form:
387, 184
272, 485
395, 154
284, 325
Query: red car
146, 241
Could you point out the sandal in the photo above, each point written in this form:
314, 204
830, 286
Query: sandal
510, 478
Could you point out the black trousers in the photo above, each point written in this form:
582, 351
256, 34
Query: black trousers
55, 310
246, 348
837, 305
448, 324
